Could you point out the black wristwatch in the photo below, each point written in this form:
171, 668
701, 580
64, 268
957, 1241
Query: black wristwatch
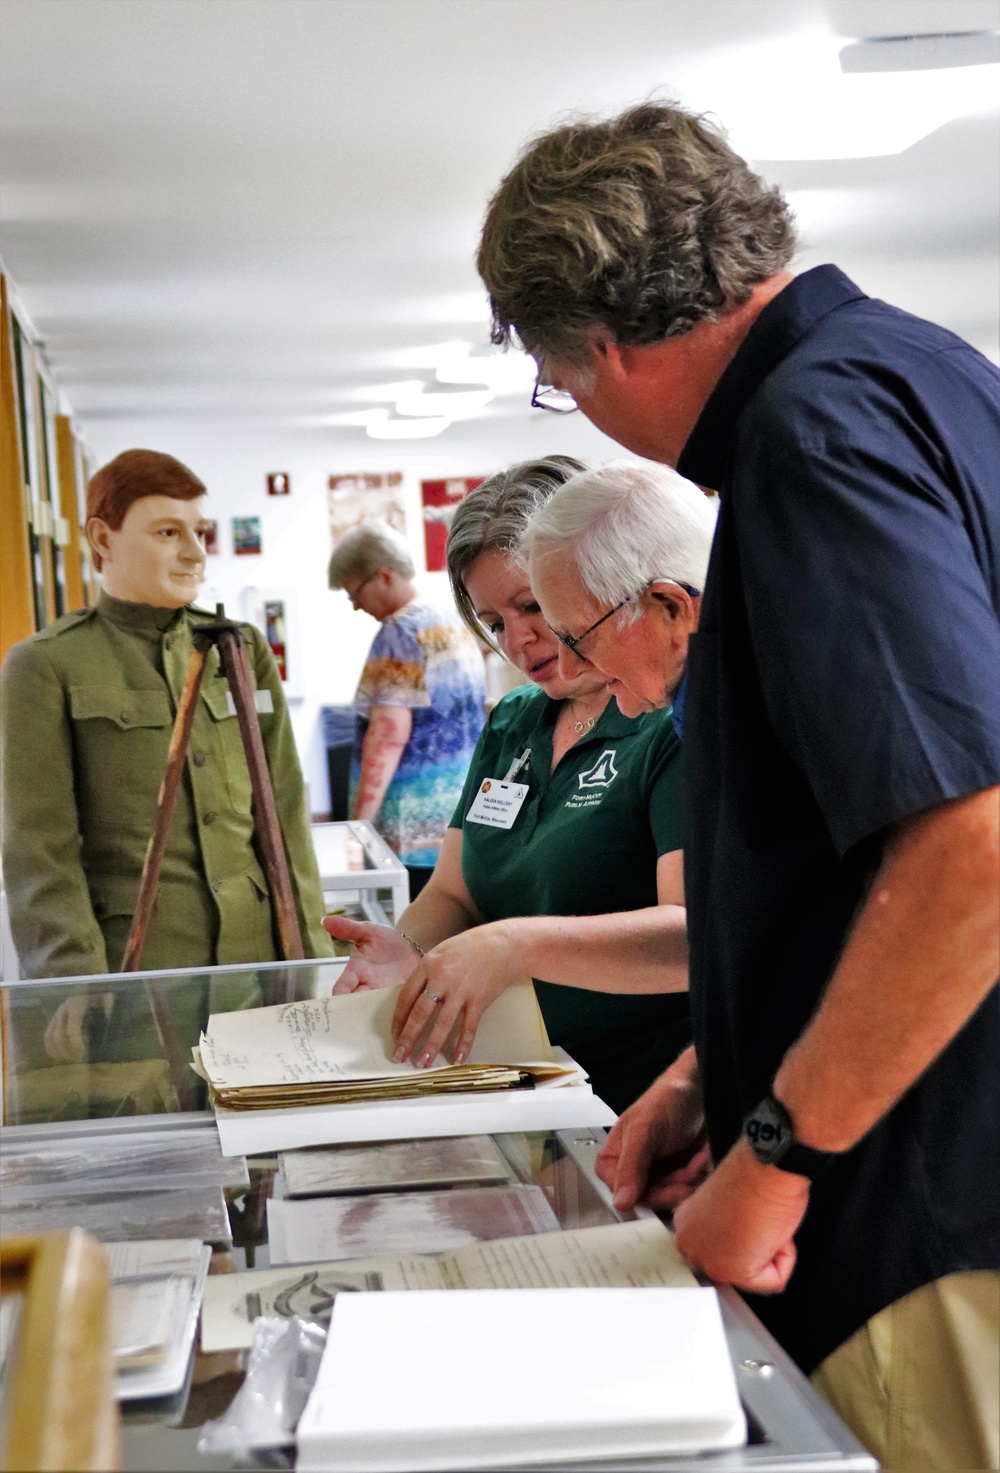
771, 1135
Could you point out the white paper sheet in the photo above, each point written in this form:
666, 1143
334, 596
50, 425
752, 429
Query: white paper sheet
153, 1258
167, 1377
574, 1374
258, 1132
639, 1254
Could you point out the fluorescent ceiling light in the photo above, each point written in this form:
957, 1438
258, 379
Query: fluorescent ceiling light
357, 418
463, 404
384, 393
512, 372
405, 429
789, 99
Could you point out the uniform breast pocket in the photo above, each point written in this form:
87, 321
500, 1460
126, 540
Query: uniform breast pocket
227, 742
121, 737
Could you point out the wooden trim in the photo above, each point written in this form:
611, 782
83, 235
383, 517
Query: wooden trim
43, 491
60, 1410
17, 610
69, 507
93, 587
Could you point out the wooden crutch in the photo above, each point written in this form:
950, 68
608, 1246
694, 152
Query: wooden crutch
232, 653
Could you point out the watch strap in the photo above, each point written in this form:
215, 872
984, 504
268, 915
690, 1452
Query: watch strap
770, 1131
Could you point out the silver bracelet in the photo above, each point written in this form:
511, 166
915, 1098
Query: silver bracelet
415, 944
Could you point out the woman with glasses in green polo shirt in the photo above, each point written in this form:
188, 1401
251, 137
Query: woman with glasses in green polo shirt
562, 864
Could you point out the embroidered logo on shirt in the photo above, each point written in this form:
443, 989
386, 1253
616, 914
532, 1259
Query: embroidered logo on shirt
602, 774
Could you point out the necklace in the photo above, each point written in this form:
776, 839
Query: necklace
581, 726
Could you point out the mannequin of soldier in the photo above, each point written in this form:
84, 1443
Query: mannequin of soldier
88, 706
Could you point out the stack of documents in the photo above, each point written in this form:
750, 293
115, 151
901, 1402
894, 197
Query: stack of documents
156, 1290
137, 1184
620, 1255
417, 1222
338, 1050
637, 1373
393, 1166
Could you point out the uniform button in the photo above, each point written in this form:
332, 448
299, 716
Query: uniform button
208, 818
216, 886
167, 642
126, 717
199, 758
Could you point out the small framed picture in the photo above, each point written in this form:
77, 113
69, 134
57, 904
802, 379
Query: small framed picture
246, 536
279, 483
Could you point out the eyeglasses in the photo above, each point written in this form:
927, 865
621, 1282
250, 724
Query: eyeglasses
353, 594
573, 641
556, 401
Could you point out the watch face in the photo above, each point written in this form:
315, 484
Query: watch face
768, 1131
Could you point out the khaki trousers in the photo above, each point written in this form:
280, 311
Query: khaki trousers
919, 1384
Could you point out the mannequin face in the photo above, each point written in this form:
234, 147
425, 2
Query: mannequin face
505, 605
157, 555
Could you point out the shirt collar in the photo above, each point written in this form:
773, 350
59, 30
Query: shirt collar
137, 618
783, 322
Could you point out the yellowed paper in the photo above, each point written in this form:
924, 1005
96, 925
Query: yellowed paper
620, 1255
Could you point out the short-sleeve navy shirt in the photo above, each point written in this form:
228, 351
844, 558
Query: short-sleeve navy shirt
845, 676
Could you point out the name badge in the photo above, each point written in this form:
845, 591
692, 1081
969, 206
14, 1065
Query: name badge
497, 803
262, 699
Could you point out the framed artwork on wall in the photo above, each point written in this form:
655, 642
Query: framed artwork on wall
439, 500
246, 536
369, 496
276, 614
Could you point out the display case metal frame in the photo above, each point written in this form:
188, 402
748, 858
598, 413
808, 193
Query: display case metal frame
387, 870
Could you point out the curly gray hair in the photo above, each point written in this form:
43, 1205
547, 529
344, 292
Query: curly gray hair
645, 224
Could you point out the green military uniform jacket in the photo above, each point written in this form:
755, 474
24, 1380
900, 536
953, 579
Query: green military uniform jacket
86, 712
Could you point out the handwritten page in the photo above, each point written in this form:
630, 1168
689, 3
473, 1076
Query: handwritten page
349, 1037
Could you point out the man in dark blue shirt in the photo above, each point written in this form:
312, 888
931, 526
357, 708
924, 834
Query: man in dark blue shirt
842, 732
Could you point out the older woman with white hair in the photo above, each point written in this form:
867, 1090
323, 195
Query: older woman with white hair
420, 702
579, 886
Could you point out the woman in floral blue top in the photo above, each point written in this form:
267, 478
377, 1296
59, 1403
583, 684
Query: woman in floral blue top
420, 702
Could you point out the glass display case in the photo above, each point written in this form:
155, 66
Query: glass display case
77, 1048
105, 1127
361, 877
360, 873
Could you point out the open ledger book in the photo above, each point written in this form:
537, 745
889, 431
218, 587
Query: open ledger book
338, 1050
621, 1255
